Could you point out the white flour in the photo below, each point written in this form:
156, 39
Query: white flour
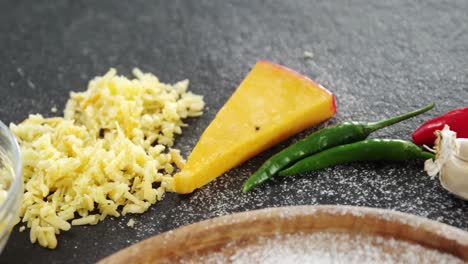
324, 247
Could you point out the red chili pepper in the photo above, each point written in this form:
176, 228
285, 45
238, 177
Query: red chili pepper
457, 120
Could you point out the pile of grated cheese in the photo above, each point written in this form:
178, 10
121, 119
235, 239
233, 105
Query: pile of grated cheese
108, 156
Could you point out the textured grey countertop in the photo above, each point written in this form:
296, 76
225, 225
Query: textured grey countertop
379, 59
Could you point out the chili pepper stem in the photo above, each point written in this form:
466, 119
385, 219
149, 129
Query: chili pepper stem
381, 124
427, 155
426, 147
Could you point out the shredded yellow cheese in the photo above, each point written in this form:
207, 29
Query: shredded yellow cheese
109, 155
131, 223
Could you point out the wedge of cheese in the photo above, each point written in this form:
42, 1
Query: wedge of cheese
271, 104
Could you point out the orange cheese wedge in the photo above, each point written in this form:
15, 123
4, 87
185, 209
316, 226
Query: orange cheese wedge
270, 105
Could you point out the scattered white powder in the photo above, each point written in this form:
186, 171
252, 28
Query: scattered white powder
308, 55
323, 247
385, 186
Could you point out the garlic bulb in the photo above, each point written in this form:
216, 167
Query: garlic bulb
451, 162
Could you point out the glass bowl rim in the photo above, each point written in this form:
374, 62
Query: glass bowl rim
17, 167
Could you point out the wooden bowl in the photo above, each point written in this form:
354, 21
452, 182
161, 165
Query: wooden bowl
217, 236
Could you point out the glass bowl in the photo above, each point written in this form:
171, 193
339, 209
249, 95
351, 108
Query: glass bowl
11, 164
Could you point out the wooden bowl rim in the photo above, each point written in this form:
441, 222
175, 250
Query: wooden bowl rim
175, 243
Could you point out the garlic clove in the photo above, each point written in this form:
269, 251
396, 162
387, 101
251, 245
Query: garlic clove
454, 177
451, 162
463, 148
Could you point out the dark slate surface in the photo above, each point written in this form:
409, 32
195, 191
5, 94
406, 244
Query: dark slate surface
378, 58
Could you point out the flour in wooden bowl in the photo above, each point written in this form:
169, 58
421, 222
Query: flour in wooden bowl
323, 247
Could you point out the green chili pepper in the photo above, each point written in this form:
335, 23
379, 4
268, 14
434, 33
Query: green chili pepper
367, 150
345, 133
